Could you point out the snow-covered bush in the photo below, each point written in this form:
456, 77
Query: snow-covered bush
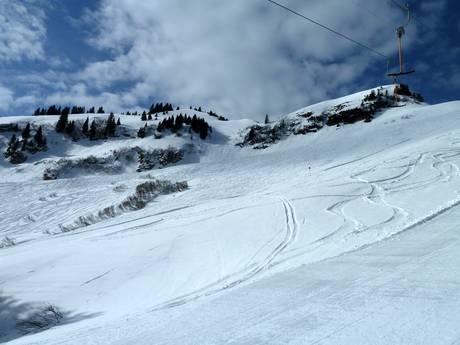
350, 116
9, 127
114, 163
262, 136
64, 166
145, 193
7, 242
120, 188
160, 158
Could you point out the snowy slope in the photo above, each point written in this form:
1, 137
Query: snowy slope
247, 223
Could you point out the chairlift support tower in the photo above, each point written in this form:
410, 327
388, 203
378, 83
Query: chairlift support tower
400, 32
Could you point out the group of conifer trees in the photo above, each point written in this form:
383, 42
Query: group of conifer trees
93, 131
160, 108
176, 124
57, 110
17, 146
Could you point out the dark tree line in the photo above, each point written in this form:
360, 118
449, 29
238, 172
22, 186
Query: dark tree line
93, 131
160, 108
175, 124
219, 117
57, 110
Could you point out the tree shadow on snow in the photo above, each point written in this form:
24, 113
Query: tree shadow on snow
18, 319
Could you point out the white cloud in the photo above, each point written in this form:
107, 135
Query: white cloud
22, 30
240, 57
78, 94
6, 98
8, 101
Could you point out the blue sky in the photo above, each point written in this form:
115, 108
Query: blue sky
242, 58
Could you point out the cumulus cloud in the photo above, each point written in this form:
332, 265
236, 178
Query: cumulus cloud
9, 101
22, 30
6, 98
240, 57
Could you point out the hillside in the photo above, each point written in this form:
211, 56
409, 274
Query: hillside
286, 233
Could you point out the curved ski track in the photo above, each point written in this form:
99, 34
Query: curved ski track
250, 271
378, 190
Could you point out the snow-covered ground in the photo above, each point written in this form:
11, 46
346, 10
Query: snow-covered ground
255, 251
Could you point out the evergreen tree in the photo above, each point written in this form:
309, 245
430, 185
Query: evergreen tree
65, 111
194, 124
144, 116
111, 126
62, 123
70, 128
101, 110
37, 112
118, 122
178, 122
370, 97
39, 138
85, 127
141, 133
149, 117
93, 130
13, 146
267, 120
24, 144
203, 132
52, 110
26, 132
80, 110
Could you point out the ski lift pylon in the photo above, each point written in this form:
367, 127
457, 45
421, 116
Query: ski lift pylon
400, 32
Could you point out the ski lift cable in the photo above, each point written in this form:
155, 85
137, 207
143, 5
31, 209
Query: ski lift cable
404, 8
362, 45
359, 4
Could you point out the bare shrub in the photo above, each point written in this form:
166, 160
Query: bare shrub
120, 188
39, 320
7, 242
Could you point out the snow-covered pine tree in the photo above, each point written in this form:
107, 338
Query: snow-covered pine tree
12, 147
39, 138
85, 127
93, 130
26, 132
61, 124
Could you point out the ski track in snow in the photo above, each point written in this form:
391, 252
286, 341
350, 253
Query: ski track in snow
253, 269
379, 189
350, 226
